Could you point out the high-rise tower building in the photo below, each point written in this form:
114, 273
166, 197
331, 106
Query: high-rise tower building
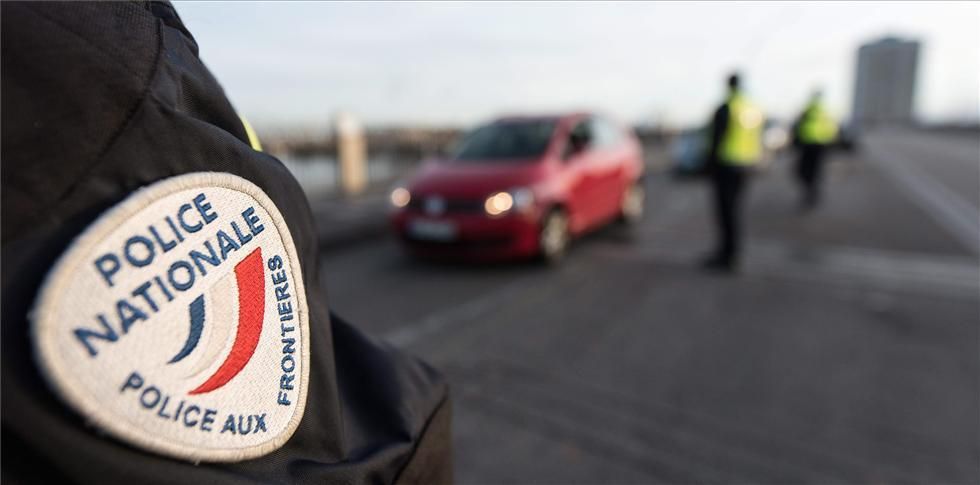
885, 82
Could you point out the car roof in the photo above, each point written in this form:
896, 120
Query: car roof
541, 117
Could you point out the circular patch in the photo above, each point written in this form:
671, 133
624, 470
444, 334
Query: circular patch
178, 321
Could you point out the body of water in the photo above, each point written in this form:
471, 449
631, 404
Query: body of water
320, 174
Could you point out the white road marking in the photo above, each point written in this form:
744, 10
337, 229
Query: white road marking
877, 269
884, 270
434, 322
960, 218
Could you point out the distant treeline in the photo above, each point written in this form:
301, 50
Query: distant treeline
406, 143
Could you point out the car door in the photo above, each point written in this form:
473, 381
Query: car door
578, 167
607, 168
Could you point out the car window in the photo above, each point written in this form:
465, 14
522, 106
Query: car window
506, 140
606, 133
579, 137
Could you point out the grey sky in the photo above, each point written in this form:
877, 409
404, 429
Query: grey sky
448, 63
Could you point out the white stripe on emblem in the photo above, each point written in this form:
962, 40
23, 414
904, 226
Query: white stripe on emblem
221, 306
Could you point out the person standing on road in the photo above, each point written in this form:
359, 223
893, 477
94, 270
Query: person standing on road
813, 131
734, 148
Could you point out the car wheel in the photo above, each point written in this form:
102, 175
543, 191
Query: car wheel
553, 239
634, 199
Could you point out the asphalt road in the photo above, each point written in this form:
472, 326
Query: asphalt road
846, 351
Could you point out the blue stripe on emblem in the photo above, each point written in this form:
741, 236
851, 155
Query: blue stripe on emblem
197, 326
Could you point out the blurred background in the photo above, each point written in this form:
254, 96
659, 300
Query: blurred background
844, 351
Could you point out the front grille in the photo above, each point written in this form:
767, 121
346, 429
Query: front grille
452, 205
464, 205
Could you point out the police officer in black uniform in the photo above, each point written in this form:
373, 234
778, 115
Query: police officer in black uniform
813, 133
100, 100
733, 150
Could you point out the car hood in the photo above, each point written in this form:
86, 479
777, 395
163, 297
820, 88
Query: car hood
474, 179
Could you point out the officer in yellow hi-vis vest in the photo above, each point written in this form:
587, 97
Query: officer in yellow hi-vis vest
815, 130
735, 147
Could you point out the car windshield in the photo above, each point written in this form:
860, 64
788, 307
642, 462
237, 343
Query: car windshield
506, 140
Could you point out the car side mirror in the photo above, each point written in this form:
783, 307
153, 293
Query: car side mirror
577, 143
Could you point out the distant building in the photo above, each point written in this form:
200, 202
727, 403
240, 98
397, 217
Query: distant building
885, 82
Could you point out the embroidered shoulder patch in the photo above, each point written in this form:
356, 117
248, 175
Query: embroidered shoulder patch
178, 322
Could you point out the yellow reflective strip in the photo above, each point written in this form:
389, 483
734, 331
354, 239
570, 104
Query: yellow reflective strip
253, 139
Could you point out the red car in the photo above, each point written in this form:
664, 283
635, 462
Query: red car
520, 187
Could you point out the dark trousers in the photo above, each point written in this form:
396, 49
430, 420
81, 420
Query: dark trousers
808, 170
729, 185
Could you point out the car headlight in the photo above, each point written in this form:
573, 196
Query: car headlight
400, 197
500, 203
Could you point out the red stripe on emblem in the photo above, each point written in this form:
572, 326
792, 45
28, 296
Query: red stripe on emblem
251, 312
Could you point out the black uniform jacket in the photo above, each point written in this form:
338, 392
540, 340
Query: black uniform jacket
98, 101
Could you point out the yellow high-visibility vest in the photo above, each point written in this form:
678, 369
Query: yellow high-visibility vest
253, 139
816, 127
742, 142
